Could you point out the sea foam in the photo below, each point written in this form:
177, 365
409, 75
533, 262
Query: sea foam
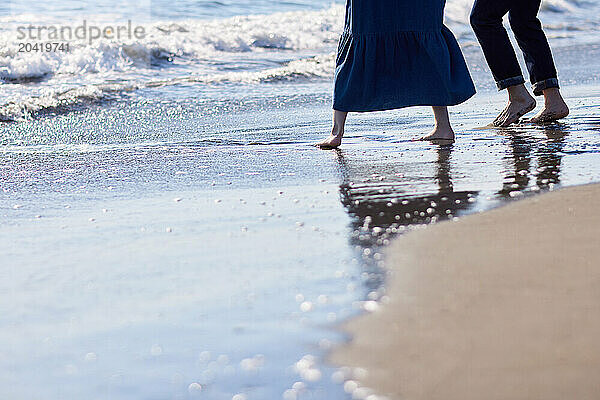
280, 47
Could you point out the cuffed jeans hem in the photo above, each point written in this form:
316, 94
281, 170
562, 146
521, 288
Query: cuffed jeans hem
539, 87
505, 83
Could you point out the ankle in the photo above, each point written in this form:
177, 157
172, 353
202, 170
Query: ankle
443, 126
552, 96
337, 132
518, 93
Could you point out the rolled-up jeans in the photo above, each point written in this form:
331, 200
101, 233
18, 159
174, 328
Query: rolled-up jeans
486, 20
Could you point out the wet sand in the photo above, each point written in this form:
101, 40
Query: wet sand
499, 305
168, 244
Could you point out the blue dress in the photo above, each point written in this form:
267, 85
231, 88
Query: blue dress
398, 53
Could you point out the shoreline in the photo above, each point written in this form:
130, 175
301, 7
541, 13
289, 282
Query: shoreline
161, 221
504, 306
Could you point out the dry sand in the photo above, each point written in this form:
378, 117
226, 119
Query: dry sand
499, 305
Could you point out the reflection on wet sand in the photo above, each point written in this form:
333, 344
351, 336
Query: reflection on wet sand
389, 195
382, 206
382, 202
524, 150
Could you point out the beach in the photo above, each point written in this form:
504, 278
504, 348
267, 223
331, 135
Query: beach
498, 305
147, 269
169, 230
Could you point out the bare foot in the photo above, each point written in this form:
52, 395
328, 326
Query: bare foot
520, 102
554, 109
445, 134
332, 142
337, 133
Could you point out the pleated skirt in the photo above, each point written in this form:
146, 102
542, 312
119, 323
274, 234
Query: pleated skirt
398, 53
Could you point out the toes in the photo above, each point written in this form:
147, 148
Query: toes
544, 118
499, 121
506, 121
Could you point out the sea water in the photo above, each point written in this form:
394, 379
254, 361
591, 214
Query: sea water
197, 45
168, 231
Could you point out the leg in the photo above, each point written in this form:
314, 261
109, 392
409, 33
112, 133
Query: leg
486, 19
335, 139
534, 44
443, 129
538, 57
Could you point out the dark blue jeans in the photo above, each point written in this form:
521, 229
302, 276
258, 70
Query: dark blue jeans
486, 19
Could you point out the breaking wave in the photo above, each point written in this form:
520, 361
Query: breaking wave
280, 47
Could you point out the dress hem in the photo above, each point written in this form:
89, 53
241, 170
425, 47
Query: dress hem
387, 33
360, 86
390, 107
